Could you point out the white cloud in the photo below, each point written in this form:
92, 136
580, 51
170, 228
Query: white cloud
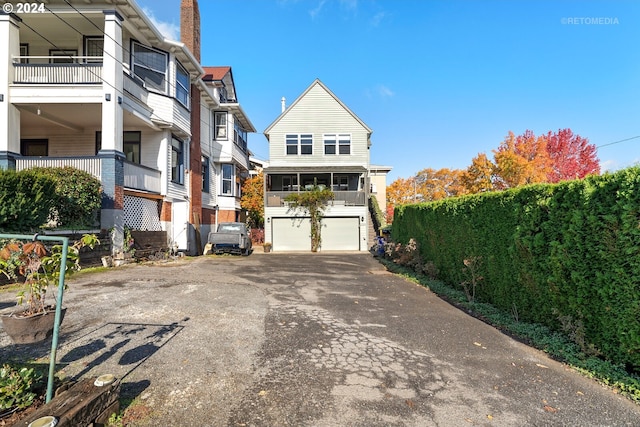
315, 12
167, 29
384, 91
375, 21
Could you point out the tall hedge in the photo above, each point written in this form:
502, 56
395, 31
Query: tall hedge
547, 252
77, 197
26, 198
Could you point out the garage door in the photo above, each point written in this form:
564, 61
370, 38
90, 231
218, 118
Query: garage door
291, 234
338, 234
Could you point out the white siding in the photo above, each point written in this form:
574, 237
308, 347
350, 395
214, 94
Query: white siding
318, 113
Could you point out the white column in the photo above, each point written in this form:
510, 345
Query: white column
9, 114
112, 85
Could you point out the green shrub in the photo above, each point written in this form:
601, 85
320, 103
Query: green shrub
549, 252
17, 386
26, 199
78, 197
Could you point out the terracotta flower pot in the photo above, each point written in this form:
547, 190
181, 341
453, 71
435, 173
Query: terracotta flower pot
31, 329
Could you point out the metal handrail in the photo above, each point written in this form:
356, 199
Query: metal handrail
56, 321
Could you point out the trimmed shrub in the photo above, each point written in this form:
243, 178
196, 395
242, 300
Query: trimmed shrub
77, 197
26, 199
564, 254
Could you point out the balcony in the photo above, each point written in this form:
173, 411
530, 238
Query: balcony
136, 177
342, 198
38, 70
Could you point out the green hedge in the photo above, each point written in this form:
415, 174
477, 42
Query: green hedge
565, 255
78, 197
26, 198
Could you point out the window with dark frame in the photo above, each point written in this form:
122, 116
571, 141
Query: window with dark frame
62, 56
151, 66
206, 184
131, 145
177, 161
34, 147
24, 51
93, 47
182, 85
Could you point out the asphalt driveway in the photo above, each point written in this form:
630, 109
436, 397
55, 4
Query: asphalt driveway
308, 340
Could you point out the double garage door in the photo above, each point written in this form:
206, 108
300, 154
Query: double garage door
294, 234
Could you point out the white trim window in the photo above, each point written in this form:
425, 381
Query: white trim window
228, 173
182, 85
150, 65
299, 144
337, 143
220, 124
177, 161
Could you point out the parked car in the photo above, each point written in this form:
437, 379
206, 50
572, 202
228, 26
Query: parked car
230, 237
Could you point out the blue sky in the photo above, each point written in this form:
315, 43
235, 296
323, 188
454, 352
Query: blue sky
437, 81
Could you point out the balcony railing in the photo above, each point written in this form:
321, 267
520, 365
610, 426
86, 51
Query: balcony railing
342, 198
136, 177
140, 177
37, 71
87, 164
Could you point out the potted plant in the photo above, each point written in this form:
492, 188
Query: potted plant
37, 267
267, 247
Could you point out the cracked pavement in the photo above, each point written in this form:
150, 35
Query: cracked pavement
328, 339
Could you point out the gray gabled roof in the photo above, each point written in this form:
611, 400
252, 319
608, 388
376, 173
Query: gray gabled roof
322, 85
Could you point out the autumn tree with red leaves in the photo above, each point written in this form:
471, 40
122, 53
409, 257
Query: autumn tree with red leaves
572, 156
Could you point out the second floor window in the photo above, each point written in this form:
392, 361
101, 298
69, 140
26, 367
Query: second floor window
94, 48
239, 136
299, 144
151, 66
220, 124
182, 85
337, 143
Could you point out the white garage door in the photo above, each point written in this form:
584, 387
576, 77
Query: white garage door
338, 234
291, 234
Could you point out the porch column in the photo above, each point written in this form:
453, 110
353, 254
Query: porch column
111, 153
9, 114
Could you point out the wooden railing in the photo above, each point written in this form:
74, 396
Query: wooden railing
342, 198
87, 164
143, 178
136, 177
36, 71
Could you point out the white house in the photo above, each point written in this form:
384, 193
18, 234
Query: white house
317, 139
93, 84
224, 148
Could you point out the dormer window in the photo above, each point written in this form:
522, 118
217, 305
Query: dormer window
150, 65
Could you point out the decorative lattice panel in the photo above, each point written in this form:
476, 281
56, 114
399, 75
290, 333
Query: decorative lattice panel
141, 214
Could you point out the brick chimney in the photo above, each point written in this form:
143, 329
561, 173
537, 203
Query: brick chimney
190, 26
190, 36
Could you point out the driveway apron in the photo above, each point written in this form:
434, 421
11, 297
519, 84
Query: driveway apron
329, 339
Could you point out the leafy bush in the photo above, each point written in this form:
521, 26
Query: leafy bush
26, 198
16, 386
549, 253
77, 197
